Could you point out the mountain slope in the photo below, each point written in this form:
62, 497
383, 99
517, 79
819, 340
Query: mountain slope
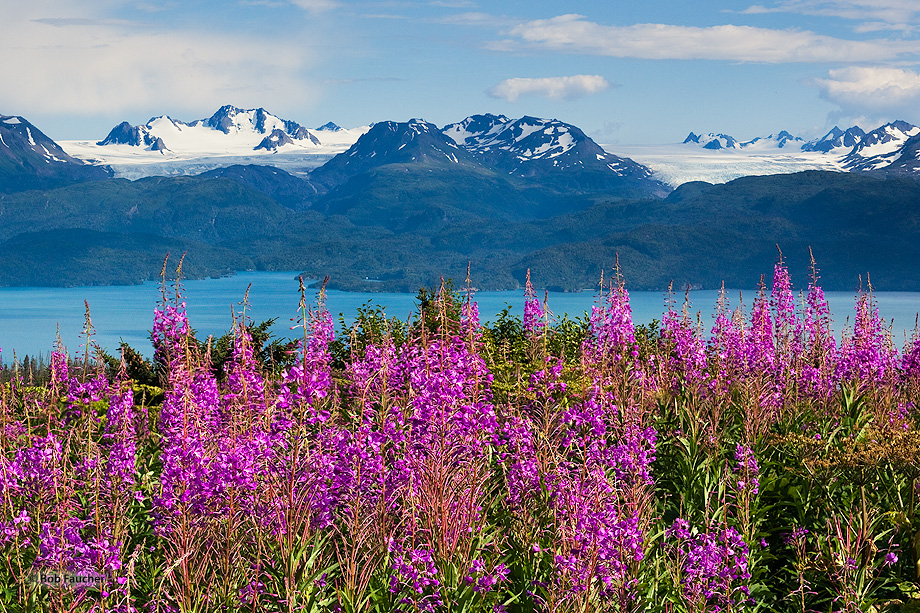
713, 142
283, 187
391, 142
551, 151
412, 176
880, 147
31, 160
836, 139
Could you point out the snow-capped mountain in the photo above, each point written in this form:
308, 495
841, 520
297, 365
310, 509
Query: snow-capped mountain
329, 127
392, 142
854, 143
136, 136
23, 143
716, 158
907, 160
474, 129
533, 147
231, 136
545, 151
716, 142
781, 140
836, 140
29, 159
711, 141
881, 147
252, 128
524, 147
276, 140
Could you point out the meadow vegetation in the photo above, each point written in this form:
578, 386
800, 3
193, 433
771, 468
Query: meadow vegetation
532, 464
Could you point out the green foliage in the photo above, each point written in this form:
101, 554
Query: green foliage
648, 338
438, 311
371, 326
141, 371
270, 353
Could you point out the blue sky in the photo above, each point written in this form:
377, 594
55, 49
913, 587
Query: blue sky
625, 72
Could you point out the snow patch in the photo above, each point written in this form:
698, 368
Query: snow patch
566, 141
528, 129
674, 164
197, 149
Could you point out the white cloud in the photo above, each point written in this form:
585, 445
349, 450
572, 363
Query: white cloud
316, 6
87, 64
557, 88
65, 22
872, 91
574, 34
881, 26
889, 11
311, 6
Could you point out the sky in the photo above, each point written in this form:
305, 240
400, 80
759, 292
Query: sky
625, 72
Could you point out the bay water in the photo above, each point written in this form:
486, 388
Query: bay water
30, 317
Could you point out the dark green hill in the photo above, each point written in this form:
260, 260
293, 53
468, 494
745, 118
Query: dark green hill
283, 187
191, 208
76, 256
428, 198
397, 227
704, 234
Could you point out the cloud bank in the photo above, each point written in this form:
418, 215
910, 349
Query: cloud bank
575, 34
888, 11
556, 88
91, 65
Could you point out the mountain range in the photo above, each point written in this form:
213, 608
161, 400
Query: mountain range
407, 202
889, 148
256, 125
232, 136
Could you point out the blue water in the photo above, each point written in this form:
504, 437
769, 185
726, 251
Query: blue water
31, 316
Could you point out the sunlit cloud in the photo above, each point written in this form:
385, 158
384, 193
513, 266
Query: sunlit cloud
872, 91
90, 65
556, 88
575, 34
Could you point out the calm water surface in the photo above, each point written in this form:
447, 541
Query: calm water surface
31, 316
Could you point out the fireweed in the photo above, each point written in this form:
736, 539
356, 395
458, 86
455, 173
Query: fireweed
647, 470
713, 566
